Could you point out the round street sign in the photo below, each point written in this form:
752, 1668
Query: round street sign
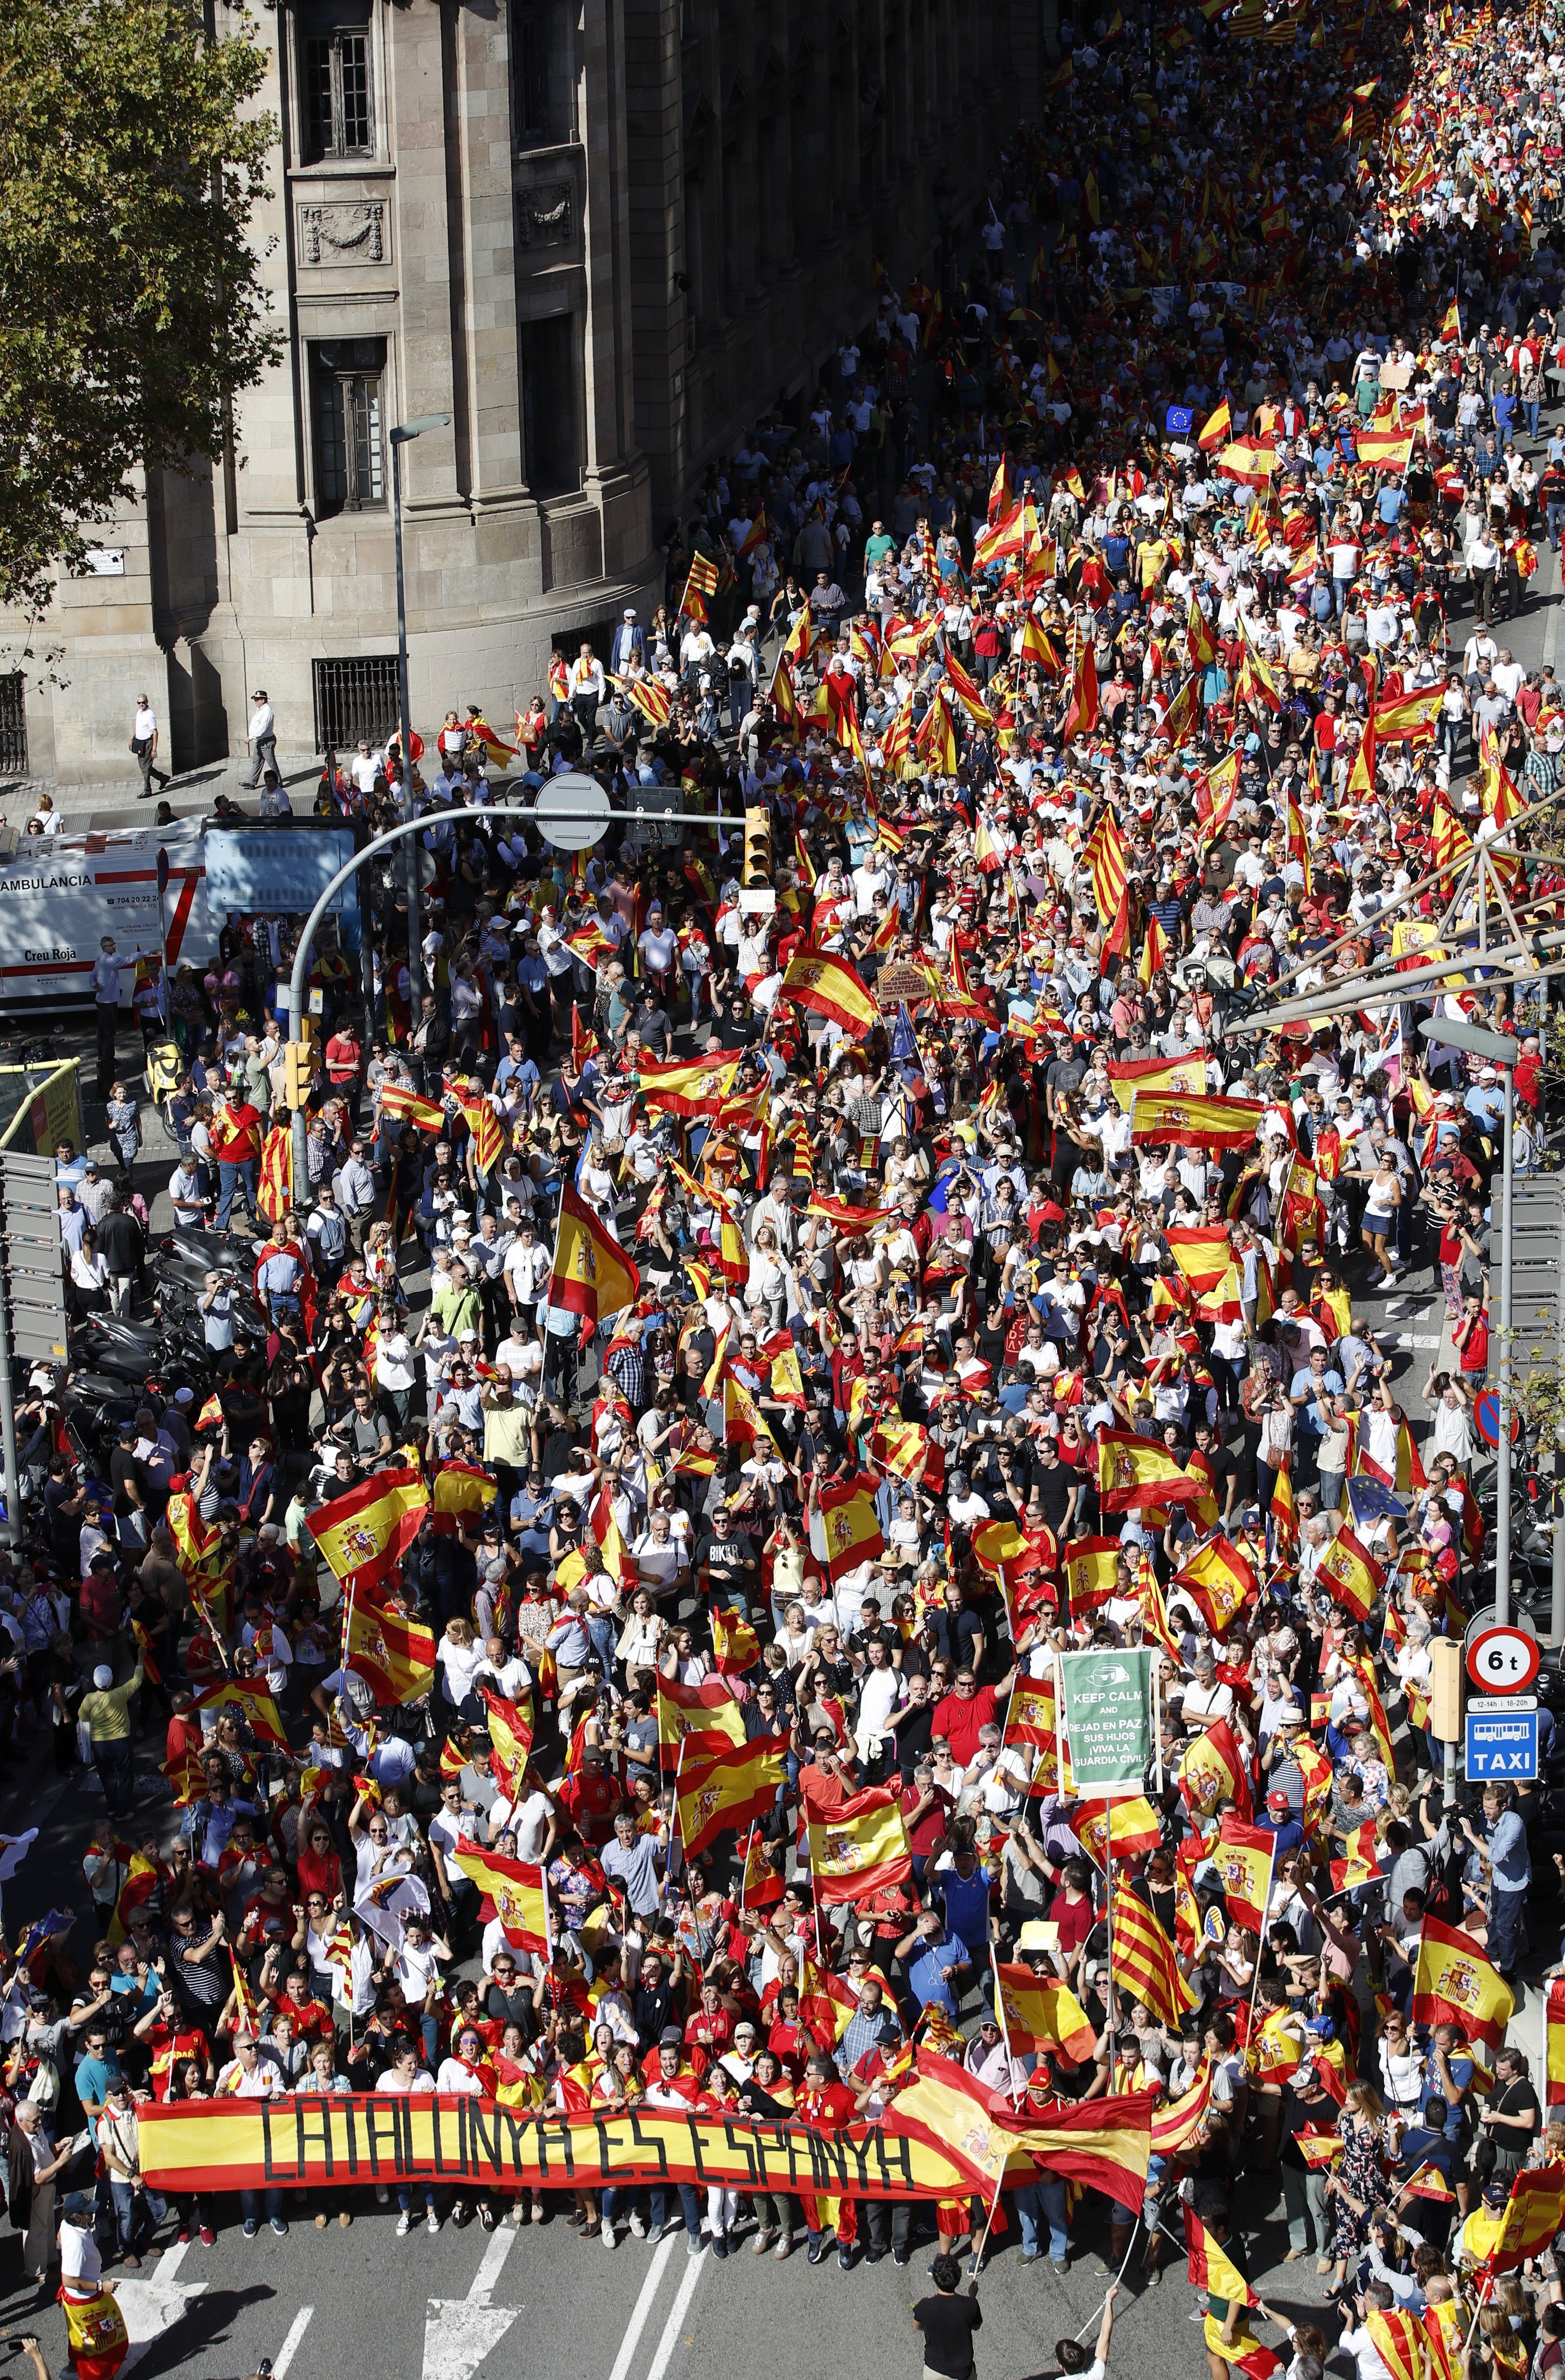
572, 811
1502, 1661
1486, 1415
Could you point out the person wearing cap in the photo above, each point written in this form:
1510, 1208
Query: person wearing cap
627, 648
105, 1713
137, 2210
1278, 1820
1307, 2108
261, 736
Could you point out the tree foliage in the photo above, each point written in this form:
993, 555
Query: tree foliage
131, 306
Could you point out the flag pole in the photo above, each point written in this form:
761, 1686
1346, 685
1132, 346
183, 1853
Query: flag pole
976, 2258
673, 1828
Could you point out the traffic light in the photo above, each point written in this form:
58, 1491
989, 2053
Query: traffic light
758, 850
298, 1075
1445, 1701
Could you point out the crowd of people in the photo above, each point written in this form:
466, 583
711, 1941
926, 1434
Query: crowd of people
1107, 650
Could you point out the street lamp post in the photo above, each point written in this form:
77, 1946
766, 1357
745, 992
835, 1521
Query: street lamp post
402, 436
1500, 1049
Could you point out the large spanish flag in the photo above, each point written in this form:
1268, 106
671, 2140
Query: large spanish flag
830, 988
1143, 1959
460, 1488
1134, 1471
1244, 1857
1103, 2144
1354, 1577
1214, 1770
407, 1107
1185, 1078
249, 1700
1454, 1984
730, 1788
393, 1654
940, 2102
518, 1890
1126, 1829
592, 1274
365, 1534
1219, 1581
709, 1715
857, 1843
1409, 715
1160, 1119
1554, 2063
1386, 450
1203, 1254
510, 1739
688, 1086
1211, 2266
847, 1529
1039, 2014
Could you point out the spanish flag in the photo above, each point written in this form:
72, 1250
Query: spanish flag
907, 1449
1454, 1984
1159, 1120
1040, 2015
459, 1487
250, 1701
393, 1654
1217, 427
1135, 1470
95, 2330
857, 1842
1244, 1857
1101, 2144
1362, 1863
1175, 2126
365, 1534
736, 1647
1126, 1829
1352, 1575
761, 1884
518, 1890
1450, 321
694, 1086
592, 1275
1409, 715
1385, 450
943, 2105
1092, 1571
1211, 2266
1219, 1581
1203, 1253
845, 1530
830, 988
510, 1740
1143, 1957
1533, 2214
1031, 1717
1213, 1770
1554, 2062
708, 1714
742, 1421
730, 1788
406, 1107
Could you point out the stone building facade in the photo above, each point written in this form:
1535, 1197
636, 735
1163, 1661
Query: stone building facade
600, 234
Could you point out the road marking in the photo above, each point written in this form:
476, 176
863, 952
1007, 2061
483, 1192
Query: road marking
150, 2307
459, 2332
291, 2345
1551, 634
643, 2307
680, 2306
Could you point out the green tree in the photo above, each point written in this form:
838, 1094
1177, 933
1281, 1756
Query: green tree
132, 310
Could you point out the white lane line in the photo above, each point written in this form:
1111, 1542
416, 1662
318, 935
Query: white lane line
459, 2332
643, 2306
291, 2345
170, 2260
486, 2280
680, 2307
1551, 634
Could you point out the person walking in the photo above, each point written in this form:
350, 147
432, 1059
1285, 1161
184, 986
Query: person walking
105, 1714
263, 738
144, 743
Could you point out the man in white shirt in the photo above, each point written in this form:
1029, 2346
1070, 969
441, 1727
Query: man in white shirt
144, 743
263, 738
586, 690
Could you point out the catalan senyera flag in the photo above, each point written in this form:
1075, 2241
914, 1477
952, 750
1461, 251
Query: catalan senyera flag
1126, 1829
1244, 1857
249, 1700
907, 1449
1219, 1581
592, 1275
510, 1737
706, 1716
1399, 2335
1134, 1471
1554, 2062
1354, 1577
407, 1107
518, 1890
1213, 1770
1091, 1568
730, 1788
1211, 2267
1186, 1077
857, 1842
275, 1188
736, 1647
459, 1487
364, 1534
393, 1654
847, 1529
1042, 2014
1454, 1984
1202, 1252
1143, 1957
688, 1087
830, 988
1161, 1118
